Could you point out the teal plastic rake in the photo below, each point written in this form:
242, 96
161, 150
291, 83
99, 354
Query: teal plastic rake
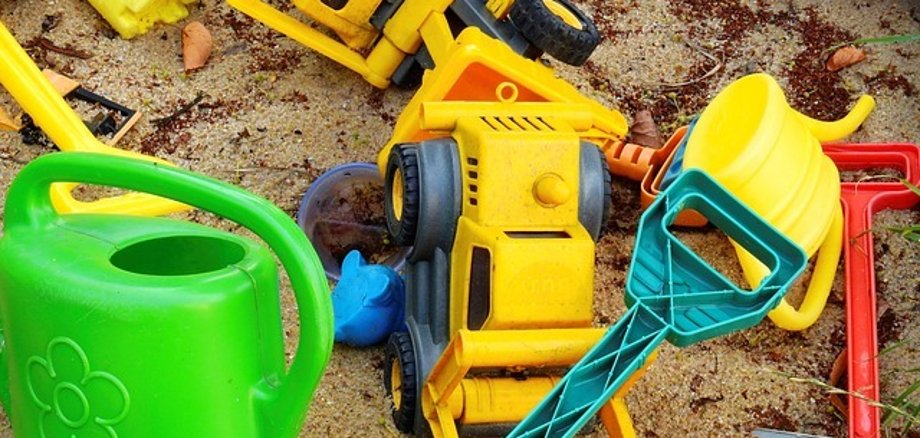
673, 295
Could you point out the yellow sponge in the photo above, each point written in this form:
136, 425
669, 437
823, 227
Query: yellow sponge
135, 17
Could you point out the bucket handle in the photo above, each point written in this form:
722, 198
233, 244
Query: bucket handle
286, 399
32, 90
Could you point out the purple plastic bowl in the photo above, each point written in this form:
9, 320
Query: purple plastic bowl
325, 215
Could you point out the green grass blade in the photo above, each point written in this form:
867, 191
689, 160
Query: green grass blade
896, 408
889, 39
911, 186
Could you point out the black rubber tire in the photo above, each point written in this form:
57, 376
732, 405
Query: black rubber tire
411, 80
399, 348
550, 33
404, 158
608, 193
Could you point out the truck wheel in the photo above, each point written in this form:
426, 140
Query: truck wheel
608, 192
399, 380
557, 27
594, 190
401, 196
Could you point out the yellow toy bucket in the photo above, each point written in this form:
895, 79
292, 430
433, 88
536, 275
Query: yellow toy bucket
769, 155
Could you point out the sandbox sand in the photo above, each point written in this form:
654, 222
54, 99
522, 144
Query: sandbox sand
276, 115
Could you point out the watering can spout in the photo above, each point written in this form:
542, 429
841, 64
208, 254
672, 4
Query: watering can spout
839, 129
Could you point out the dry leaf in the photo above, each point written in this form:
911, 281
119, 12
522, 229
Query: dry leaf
845, 57
644, 131
7, 123
196, 45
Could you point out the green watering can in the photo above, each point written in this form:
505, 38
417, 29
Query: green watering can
124, 326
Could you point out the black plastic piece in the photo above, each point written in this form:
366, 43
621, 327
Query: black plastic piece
409, 73
439, 197
384, 12
474, 13
31, 134
608, 193
549, 32
480, 293
399, 350
88, 96
403, 158
428, 266
335, 4
102, 123
594, 191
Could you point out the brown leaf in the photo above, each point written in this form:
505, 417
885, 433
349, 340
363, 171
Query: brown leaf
644, 131
7, 123
845, 57
196, 45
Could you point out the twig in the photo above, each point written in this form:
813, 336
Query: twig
709, 73
184, 109
46, 44
269, 168
855, 394
873, 177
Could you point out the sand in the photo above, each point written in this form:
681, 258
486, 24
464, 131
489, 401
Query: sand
275, 115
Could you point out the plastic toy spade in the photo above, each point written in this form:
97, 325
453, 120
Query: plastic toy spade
673, 295
650, 167
861, 200
38, 98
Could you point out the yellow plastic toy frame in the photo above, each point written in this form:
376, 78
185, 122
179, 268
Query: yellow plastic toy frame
381, 61
474, 69
28, 86
444, 392
415, 22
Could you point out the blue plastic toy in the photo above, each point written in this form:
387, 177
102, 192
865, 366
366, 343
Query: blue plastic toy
368, 302
673, 295
677, 163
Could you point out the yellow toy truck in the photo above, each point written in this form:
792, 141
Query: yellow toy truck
390, 40
491, 177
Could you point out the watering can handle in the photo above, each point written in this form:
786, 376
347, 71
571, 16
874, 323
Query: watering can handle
29, 205
39, 99
819, 288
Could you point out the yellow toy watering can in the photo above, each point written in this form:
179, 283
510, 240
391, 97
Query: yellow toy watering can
769, 155
28, 86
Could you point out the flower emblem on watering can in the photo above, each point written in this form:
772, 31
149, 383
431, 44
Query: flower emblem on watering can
74, 400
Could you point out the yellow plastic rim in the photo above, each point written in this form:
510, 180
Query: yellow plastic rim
396, 194
396, 384
564, 13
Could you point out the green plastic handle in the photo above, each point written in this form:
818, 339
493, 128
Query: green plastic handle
29, 205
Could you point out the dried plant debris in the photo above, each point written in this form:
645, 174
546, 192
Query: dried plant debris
845, 57
7, 123
196, 46
644, 131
